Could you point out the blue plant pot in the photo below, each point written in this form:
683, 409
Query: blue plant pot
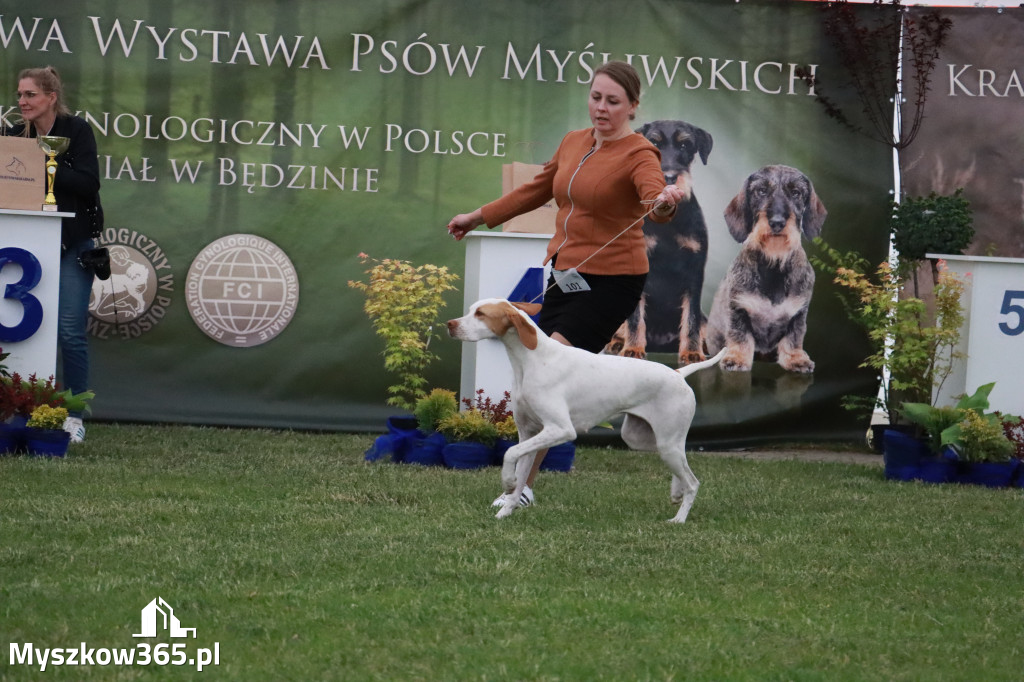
467, 455
903, 454
498, 455
47, 442
12, 439
395, 444
427, 451
988, 474
936, 470
560, 458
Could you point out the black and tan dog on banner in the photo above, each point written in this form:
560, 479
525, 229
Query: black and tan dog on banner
761, 305
668, 318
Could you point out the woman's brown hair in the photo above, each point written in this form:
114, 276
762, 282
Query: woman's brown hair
48, 80
625, 75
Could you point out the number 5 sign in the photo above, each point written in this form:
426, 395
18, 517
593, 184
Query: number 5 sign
1013, 304
29, 287
993, 332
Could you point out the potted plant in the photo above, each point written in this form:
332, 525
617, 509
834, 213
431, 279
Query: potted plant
10, 435
1013, 427
964, 433
20, 397
980, 443
985, 452
429, 412
912, 348
935, 224
403, 302
433, 408
406, 432
44, 432
479, 434
936, 422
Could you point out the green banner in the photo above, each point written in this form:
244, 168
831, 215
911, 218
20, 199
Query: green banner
250, 151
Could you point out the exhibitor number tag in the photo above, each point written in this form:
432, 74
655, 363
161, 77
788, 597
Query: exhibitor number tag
570, 281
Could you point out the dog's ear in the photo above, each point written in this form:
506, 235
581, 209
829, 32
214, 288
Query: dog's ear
643, 129
737, 219
527, 332
814, 216
530, 309
704, 143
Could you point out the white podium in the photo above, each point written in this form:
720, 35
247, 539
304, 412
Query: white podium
993, 333
495, 264
29, 289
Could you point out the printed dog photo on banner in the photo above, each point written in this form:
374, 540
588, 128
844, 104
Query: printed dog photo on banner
760, 308
760, 311
669, 318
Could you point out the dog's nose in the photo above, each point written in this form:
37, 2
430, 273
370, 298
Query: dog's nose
778, 215
452, 326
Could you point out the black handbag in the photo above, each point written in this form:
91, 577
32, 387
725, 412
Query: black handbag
97, 260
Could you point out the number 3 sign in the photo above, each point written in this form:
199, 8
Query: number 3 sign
29, 289
21, 292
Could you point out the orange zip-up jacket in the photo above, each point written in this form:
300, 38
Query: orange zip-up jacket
599, 194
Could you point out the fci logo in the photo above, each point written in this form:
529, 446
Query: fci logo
158, 613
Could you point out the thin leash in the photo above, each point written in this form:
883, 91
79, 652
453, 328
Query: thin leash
556, 282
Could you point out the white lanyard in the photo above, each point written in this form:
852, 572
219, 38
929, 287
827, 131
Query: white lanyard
571, 278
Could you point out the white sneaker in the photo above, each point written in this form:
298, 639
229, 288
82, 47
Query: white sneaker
525, 500
76, 428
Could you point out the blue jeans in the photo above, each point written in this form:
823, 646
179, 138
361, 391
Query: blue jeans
72, 318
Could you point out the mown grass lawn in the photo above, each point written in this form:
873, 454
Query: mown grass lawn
302, 562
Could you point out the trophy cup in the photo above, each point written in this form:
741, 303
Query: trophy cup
52, 145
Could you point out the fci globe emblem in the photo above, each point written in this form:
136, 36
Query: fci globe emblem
242, 290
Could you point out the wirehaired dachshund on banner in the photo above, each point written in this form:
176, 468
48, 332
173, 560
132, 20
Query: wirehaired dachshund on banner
668, 318
761, 305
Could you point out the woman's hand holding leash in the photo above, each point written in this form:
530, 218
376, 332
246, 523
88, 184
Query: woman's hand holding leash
665, 203
464, 223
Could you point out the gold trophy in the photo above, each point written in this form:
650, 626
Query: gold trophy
52, 145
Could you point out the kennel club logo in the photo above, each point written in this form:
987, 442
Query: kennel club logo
242, 290
15, 168
140, 289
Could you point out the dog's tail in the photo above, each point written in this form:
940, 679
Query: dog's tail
697, 366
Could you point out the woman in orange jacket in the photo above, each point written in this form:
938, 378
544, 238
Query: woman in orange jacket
604, 180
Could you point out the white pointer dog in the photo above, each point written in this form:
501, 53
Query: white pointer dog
560, 391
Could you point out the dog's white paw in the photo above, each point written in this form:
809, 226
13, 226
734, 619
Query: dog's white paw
505, 511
